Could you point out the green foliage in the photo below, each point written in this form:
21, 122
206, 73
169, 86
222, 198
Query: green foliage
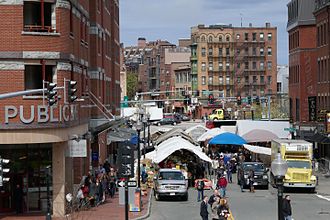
132, 84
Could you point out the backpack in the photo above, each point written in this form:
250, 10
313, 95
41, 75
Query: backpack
200, 184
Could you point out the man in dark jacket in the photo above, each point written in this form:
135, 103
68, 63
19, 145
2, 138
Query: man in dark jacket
203, 212
212, 198
286, 208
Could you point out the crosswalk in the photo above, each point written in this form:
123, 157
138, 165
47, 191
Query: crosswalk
325, 197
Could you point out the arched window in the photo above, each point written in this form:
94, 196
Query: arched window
210, 39
220, 38
227, 38
203, 38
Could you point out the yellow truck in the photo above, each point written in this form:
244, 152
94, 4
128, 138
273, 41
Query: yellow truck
298, 154
217, 114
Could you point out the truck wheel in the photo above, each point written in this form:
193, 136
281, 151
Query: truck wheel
157, 197
174, 123
158, 124
312, 190
185, 197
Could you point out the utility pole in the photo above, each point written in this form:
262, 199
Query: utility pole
269, 99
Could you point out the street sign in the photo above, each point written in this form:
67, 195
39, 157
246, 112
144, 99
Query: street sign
290, 129
130, 183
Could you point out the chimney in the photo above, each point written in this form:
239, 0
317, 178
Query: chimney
141, 42
250, 24
267, 25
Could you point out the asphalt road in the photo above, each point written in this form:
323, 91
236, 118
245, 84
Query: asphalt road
245, 206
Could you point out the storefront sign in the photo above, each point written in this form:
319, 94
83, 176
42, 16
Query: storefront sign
312, 108
41, 113
77, 148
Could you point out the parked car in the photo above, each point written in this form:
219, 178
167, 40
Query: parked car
260, 174
165, 121
175, 116
185, 117
170, 182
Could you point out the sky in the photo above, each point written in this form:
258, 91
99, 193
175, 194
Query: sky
172, 19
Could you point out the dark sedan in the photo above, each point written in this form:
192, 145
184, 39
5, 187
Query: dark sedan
260, 174
166, 121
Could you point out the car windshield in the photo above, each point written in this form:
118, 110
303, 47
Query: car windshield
171, 176
255, 167
299, 164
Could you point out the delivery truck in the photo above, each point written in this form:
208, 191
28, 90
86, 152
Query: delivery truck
298, 154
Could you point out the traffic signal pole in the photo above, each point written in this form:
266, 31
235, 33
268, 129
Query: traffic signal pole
126, 198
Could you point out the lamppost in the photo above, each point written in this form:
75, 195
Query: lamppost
48, 215
144, 121
148, 120
138, 128
279, 168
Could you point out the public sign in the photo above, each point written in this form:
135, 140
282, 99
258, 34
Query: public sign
312, 108
290, 129
130, 183
77, 148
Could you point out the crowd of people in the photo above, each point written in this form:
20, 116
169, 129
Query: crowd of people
96, 186
218, 204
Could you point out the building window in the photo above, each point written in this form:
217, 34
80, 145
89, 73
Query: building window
261, 36
220, 52
254, 36
269, 51
210, 51
246, 65
238, 79
246, 51
227, 65
261, 51
220, 80
220, 39
203, 39
203, 66
246, 36
227, 80
227, 38
255, 79
262, 65
210, 39
246, 79
220, 66
210, 80
269, 65
203, 80
262, 79
237, 36
203, 52
279, 87
269, 80
33, 20
238, 65
297, 109
33, 76
71, 19
254, 51
210, 65
269, 36
254, 65
99, 6
227, 51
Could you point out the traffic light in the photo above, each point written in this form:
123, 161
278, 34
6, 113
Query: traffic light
3, 170
239, 100
51, 94
249, 100
72, 90
125, 160
257, 100
211, 99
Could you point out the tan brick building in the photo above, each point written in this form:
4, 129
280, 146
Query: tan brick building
228, 61
55, 41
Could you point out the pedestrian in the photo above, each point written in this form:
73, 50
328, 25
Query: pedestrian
200, 189
99, 192
240, 179
229, 167
214, 196
18, 195
286, 208
112, 182
215, 207
251, 180
223, 210
203, 210
222, 185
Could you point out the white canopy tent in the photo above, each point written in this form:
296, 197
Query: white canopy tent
196, 131
173, 144
258, 149
210, 134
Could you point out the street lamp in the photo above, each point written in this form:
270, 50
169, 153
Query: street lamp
138, 128
279, 168
148, 120
144, 121
48, 215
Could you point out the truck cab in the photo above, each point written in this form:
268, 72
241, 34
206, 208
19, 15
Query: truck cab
217, 114
298, 154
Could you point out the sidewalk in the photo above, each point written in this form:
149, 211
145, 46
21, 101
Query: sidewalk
323, 187
109, 210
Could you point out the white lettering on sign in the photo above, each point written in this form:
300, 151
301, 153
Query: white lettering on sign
41, 113
297, 148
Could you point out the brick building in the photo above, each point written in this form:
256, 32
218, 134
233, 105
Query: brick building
228, 61
55, 41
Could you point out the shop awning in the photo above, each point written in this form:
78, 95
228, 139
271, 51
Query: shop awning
173, 144
175, 132
196, 131
120, 135
258, 135
258, 149
227, 138
210, 134
319, 138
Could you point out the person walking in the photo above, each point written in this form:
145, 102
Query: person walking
222, 184
286, 208
229, 167
240, 179
215, 207
203, 210
200, 190
213, 197
251, 180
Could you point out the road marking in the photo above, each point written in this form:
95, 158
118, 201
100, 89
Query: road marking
324, 197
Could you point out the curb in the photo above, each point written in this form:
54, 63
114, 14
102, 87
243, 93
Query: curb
148, 211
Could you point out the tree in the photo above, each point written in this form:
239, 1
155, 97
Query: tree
132, 84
